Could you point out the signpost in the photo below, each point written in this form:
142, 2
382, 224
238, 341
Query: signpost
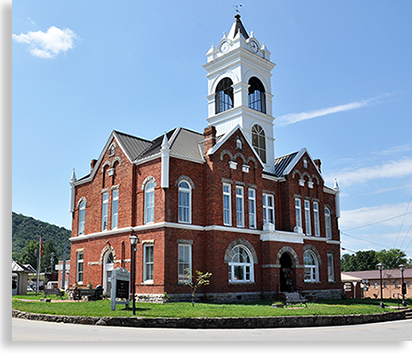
120, 287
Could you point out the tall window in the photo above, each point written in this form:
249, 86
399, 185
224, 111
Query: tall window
184, 261
184, 202
149, 202
115, 208
239, 206
227, 214
257, 99
268, 209
240, 265
148, 263
105, 210
331, 271
224, 95
328, 224
307, 218
298, 213
316, 218
79, 268
82, 216
259, 141
252, 208
311, 266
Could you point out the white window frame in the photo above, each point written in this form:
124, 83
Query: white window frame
105, 210
227, 211
328, 223
79, 267
148, 264
115, 208
268, 209
331, 268
149, 202
246, 268
252, 208
298, 212
240, 207
312, 269
185, 211
316, 218
82, 217
308, 224
184, 260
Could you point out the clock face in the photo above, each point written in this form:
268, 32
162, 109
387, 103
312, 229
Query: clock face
253, 46
224, 47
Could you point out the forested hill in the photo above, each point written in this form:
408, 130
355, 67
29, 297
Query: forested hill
26, 232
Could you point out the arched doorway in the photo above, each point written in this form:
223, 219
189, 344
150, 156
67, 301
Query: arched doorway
286, 273
108, 266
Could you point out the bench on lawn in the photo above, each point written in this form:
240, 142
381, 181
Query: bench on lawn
295, 297
52, 291
93, 294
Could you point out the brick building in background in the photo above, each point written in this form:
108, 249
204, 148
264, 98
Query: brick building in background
216, 201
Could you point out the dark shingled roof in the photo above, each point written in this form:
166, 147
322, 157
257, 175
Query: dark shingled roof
238, 27
281, 163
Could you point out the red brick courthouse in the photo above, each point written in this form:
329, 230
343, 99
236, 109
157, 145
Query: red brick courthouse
216, 201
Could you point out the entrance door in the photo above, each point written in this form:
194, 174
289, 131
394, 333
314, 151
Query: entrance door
107, 273
286, 273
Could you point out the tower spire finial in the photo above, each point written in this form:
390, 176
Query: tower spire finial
237, 10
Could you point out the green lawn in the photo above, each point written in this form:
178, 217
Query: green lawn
261, 308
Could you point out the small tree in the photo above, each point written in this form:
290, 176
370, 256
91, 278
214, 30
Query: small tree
194, 283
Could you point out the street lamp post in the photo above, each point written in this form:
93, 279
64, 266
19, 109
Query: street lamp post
402, 268
134, 239
380, 267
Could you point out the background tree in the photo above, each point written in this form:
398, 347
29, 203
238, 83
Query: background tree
28, 255
392, 258
367, 260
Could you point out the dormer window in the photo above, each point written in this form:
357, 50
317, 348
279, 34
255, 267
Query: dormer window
224, 95
111, 150
238, 144
257, 99
305, 163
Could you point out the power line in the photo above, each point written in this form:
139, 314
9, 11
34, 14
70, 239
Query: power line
385, 220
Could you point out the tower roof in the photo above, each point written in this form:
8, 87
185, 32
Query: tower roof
236, 27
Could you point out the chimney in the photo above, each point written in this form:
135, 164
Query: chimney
92, 164
210, 137
318, 164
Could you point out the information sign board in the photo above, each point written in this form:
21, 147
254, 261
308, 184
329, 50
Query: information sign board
120, 287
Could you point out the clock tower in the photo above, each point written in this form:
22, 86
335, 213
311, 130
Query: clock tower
239, 89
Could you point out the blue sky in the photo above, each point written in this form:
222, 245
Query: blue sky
341, 85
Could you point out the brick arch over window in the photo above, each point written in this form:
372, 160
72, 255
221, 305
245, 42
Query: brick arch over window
149, 178
291, 252
297, 172
314, 177
105, 165
185, 178
253, 159
106, 249
240, 155
314, 250
81, 200
243, 242
224, 153
117, 159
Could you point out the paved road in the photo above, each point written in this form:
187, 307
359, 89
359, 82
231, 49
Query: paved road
26, 330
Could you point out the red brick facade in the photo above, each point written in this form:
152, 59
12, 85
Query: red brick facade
274, 253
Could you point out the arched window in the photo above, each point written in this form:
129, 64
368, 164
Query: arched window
240, 265
310, 262
82, 216
224, 95
328, 224
259, 141
184, 202
257, 100
149, 202
108, 263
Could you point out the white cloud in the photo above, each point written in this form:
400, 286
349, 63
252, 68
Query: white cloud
394, 169
47, 44
293, 118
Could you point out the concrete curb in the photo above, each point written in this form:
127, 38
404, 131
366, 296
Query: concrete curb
237, 322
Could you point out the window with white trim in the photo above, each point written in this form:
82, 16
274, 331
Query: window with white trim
105, 210
148, 263
239, 207
149, 202
268, 209
328, 224
241, 265
298, 213
227, 213
308, 225
331, 269
79, 267
311, 264
184, 202
82, 216
252, 208
316, 218
184, 262
115, 208
259, 141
